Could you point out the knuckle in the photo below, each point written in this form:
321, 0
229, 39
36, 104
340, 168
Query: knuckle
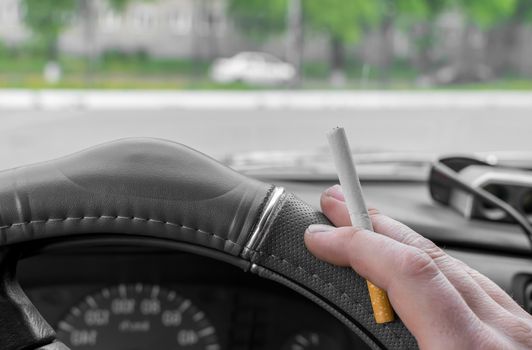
515, 333
415, 263
520, 330
414, 239
429, 247
485, 340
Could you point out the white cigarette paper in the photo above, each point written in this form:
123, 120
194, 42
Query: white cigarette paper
358, 212
345, 167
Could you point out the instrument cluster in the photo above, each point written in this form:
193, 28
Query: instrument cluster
172, 301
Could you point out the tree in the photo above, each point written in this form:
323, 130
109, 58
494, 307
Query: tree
264, 19
88, 16
119, 5
343, 22
503, 47
487, 13
483, 15
294, 37
46, 19
418, 17
258, 18
521, 17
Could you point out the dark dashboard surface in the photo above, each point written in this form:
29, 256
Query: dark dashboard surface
245, 311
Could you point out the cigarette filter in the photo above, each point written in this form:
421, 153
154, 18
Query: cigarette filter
358, 213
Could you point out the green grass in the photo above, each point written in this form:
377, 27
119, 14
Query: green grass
499, 84
117, 71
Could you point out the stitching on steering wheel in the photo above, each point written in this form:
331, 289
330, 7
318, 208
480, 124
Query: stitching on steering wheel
118, 217
272, 256
313, 275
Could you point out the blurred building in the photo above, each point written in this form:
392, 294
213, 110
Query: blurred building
202, 29
12, 29
164, 29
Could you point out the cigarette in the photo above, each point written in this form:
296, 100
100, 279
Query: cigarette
358, 213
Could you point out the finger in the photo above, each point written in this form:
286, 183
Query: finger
494, 291
481, 294
333, 205
420, 294
475, 296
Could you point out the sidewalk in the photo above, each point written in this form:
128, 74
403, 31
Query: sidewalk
251, 100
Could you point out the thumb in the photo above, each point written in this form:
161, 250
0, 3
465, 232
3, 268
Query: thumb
374, 256
419, 292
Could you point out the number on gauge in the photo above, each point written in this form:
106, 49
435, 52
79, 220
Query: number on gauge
137, 317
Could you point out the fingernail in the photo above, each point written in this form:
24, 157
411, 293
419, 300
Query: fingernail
335, 192
320, 228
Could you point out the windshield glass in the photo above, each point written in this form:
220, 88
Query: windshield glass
237, 76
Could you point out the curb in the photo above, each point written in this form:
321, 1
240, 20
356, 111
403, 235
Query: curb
244, 100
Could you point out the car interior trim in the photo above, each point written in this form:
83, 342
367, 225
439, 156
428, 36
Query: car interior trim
265, 219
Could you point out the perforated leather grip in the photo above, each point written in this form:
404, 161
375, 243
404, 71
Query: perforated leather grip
282, 256
156, 188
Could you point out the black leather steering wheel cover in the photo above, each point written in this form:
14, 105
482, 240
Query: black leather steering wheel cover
148, 187
131, 186
283, 252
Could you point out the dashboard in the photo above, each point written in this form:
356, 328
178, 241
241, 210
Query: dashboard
119, 296
131, 298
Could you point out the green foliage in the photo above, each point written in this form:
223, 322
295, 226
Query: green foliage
340, 19
344, 20
424, 10
487, 13
119, 5
46, 19
259, 19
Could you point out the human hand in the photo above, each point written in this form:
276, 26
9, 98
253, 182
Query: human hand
442, 301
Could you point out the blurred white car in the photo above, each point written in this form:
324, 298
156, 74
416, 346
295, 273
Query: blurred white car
252, 68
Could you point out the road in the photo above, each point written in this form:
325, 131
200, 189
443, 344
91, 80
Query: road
35, 135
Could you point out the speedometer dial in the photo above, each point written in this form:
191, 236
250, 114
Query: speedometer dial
137, 317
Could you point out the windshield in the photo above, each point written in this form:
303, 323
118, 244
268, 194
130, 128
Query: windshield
233, 77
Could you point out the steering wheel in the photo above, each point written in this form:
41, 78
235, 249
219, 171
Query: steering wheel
156, 189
